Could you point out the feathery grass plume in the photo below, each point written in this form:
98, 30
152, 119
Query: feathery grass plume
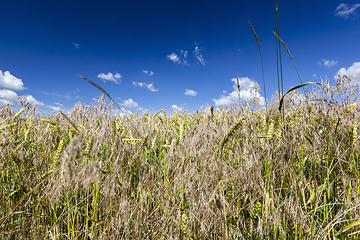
282, 42
262, 66
97, 86
239, 89
293, 63
68, 119
107, 94
256, 37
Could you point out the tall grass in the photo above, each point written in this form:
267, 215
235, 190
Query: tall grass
291, 172
280, 179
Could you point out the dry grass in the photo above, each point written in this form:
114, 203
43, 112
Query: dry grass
282, 178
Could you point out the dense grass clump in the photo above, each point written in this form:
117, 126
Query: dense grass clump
213, 174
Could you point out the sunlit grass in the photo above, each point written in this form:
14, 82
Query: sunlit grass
289, 171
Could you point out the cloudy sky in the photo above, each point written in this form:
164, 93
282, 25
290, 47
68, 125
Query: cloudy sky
173, 54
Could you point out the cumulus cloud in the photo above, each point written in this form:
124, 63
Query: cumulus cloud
30, 99
130, 103
179, 58
59, 104
148, 72
76, 45
174, 57
176, 108
149, 86
8, 95
352, 72
198, 55
11, 82
56, 109
4, 102
249, 90
123, 112
190, 92
327, 63
110, 77
8, 83
346, 10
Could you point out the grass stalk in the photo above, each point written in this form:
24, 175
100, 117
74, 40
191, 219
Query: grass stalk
262, 67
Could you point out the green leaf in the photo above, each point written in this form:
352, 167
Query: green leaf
292, 89
341, 160
351, 225
143, 156
309, 141
320, 188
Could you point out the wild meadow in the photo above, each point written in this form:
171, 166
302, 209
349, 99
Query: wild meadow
288, 169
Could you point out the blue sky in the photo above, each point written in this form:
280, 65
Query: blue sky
152, 55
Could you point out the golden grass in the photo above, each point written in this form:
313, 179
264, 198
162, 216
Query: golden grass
281, 178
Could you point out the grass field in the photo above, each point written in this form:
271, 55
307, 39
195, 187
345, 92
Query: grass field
287, 169
230, 173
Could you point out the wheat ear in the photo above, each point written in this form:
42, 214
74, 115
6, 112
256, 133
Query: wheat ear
226, 139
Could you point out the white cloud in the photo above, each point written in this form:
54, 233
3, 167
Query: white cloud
198, 55
11, 82
190, 92
56, 109
178, 59
352, 72
327, 63
248, 92
4, 102
124, 112
130, 103
176, 108
173, 57
110, 77
148, 72
30, 99
59, 104
345, 10
67, 96
8, 95
76, 45
149, 86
